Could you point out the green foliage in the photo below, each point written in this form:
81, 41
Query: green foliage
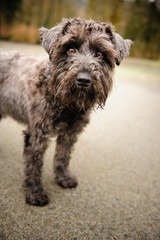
9, 8
143, 28
105, 10
138, 20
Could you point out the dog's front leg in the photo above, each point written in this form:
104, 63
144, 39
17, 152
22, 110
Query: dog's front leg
35, 146
64, 147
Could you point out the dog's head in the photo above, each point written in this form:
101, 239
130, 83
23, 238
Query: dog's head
83, 54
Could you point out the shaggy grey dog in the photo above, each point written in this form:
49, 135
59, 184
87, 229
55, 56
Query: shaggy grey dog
55, 96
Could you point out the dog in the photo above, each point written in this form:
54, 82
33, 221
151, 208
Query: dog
54, 96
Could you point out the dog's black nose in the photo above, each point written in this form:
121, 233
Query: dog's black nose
83, 79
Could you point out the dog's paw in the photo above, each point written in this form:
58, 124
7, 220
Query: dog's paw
37, 199
67, 181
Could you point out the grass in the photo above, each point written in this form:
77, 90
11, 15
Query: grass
20, 32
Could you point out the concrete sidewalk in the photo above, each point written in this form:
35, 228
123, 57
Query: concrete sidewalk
116, 160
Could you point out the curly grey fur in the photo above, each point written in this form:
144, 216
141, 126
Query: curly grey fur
45, 94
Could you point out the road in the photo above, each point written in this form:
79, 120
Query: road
116, 161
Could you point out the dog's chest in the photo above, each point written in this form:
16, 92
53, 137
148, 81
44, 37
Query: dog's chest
66, 120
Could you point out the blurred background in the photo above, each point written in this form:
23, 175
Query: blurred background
138, 20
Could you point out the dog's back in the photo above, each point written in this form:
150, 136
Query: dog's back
6, 57
16, 71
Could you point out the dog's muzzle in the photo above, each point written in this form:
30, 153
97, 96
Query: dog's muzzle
83, 79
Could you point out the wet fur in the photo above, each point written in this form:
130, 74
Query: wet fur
43, 93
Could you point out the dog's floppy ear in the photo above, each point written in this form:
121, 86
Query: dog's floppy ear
49, 37
122, 46
43, 33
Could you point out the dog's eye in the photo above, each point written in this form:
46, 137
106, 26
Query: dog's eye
99, 55
71, 51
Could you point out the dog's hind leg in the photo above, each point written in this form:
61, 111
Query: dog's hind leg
35, 146
0, 116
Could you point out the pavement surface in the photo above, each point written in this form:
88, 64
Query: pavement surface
116, 160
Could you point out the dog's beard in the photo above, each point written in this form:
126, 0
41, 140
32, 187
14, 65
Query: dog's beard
67, 93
